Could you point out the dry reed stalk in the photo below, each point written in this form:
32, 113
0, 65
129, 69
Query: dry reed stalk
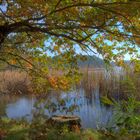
14, 82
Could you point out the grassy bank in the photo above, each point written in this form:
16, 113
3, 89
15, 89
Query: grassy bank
39, 130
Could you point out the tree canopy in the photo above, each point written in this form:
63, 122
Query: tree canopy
30, 30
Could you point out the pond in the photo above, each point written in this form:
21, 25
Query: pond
77, 102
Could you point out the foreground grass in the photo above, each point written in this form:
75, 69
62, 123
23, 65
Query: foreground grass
23, 132
39, 130
13, 130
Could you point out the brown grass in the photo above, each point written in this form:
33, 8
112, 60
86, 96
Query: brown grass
14, 82
110, 83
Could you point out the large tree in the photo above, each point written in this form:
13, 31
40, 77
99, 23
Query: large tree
30, 29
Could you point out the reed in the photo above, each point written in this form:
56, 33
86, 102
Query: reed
118, 84
14, 82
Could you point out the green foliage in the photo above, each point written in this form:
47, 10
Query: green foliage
126, 117
21, 130
105, 100
13, 130
128, 87
66, 136
91, 134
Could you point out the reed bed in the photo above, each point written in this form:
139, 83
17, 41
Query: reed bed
14, 82
118, 84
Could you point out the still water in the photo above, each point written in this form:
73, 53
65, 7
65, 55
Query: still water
87, 106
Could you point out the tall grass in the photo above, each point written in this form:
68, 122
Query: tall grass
14, 82
119, 84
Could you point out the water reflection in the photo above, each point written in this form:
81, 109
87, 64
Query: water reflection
87, 106
22, 107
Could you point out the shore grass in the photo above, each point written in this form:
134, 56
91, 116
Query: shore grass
118, 84
14, 82
111, 83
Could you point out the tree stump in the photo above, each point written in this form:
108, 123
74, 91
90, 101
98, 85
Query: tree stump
73, 123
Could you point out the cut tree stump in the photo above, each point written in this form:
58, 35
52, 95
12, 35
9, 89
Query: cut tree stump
72, 122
